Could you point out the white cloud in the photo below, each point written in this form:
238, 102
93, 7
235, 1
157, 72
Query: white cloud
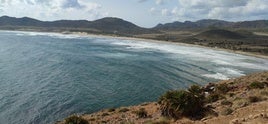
158, 2
52, 9
217, 9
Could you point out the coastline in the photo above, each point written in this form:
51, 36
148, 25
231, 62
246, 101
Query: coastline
170, 42
149, 40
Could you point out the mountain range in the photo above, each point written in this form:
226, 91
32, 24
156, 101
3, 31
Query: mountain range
116, 25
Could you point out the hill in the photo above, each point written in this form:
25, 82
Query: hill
205, 23
108, 25
234, 101
211, 23
219, 34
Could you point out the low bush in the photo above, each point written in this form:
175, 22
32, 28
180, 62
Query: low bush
104, 114
222, 88
257, 85
253, 99
213, 97
182, 103
226, 102
111, 110
74, 119
124, 110
227, 111
141, 113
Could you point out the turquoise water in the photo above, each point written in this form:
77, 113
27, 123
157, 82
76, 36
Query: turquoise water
45, 77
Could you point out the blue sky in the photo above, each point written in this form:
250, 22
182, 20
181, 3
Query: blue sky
146, 13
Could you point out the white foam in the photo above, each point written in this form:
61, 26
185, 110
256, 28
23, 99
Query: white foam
198, 54
217, 76
57, 35
231, 71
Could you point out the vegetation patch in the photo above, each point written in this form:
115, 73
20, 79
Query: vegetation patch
227, 111
257, 85
222, 88
74, 119
253, 99
213, 97
226, 102
180, 103
124, 110
141, 113
111, 110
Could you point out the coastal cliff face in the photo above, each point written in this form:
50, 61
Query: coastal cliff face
240, 100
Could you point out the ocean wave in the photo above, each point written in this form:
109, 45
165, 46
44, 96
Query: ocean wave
197, 54
218, 76
56, 35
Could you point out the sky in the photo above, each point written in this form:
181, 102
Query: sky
145, 13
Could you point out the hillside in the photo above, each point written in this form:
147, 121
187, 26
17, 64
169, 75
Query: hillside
240, 100
209, 23
219, 34
205, 23
106, 25
239, 40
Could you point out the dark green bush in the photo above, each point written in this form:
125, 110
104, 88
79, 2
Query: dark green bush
124, 110
104, 114
182, 103
226, 102
222, 88
74, 119
253, 99
227, 111
141, 113
213, 97
231, 94
257, 85
111, 110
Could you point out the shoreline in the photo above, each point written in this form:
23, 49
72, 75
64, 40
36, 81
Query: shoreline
170, 42
83, 34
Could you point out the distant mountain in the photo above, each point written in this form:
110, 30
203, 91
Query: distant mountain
117, 25
106, 25
211, 23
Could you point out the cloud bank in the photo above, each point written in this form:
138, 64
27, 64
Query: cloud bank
215, 9
146, 13
52, 9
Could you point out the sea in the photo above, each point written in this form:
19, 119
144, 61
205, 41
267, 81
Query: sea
45, 77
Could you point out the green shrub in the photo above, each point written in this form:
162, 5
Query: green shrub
257, 85
226, 102
213, 97
104, 114
222, 88
227, 111
124, 110
182, 103
141, 113
231, 94
74, 119
111, 110
253, 99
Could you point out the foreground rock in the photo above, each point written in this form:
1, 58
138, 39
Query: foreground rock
244, 100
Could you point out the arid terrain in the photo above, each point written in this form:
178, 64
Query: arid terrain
241, 101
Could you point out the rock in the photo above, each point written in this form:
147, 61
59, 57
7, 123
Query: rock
235, 121
256, 116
